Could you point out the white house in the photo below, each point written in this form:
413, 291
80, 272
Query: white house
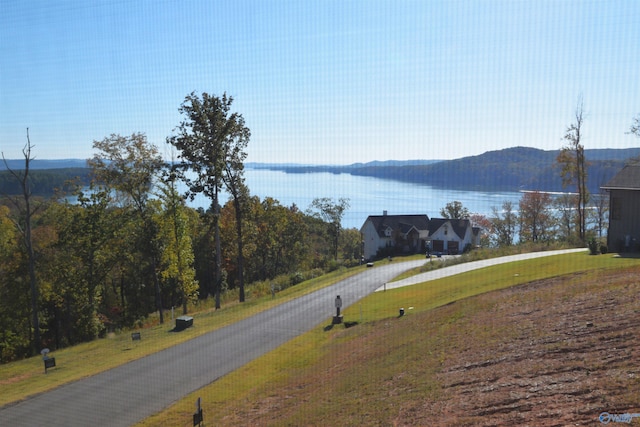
452, 236
394, 234
384, 235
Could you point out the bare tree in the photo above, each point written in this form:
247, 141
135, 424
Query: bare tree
574, 166
635, 126
634, 129
23, 223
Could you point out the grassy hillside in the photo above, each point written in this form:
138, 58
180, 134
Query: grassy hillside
548, 341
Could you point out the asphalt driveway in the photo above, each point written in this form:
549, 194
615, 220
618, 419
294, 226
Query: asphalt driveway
127, 394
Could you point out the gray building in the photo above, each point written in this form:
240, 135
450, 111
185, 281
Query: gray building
624, 210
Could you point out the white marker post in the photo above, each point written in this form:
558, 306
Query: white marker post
337, 319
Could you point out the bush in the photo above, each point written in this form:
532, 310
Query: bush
316, 272
593, 246
385, 252
296, 278
351, 263
603, 249
333, 265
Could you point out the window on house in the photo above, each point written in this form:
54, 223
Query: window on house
616, 208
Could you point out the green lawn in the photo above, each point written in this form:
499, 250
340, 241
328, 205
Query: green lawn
235, 392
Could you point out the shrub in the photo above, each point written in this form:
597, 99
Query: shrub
351, 263
296, 278
332, 265
603, 249
385, 252
593, 246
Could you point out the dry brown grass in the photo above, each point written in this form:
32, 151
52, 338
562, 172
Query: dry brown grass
553, 352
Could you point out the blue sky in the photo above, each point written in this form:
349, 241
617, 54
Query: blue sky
325, 81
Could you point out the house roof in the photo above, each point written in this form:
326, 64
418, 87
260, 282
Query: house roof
459, 226
403, 223
627, 179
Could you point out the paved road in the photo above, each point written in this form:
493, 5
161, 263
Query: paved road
125, 395
468, 266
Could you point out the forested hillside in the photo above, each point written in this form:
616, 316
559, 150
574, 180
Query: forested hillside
45, 182
511, 169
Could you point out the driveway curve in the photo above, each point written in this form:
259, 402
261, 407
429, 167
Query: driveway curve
129, 393
468, 266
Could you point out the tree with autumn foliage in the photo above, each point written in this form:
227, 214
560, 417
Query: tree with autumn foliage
177, 259
504, 224
536, 221
15, 326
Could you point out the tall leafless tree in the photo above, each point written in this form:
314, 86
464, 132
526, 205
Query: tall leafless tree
23, 223
574, 166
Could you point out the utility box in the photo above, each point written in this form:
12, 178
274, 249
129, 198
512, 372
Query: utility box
183, 322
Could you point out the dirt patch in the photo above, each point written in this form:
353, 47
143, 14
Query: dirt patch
550, 353
15, 379
571, 353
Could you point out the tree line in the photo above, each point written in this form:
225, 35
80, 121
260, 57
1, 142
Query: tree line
129, 246
45, 182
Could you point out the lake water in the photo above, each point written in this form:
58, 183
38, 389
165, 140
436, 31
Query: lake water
367, 196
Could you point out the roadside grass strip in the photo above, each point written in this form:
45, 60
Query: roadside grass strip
24, 378
341, 379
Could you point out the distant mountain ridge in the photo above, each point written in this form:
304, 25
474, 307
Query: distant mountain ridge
510, 169
17, 164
